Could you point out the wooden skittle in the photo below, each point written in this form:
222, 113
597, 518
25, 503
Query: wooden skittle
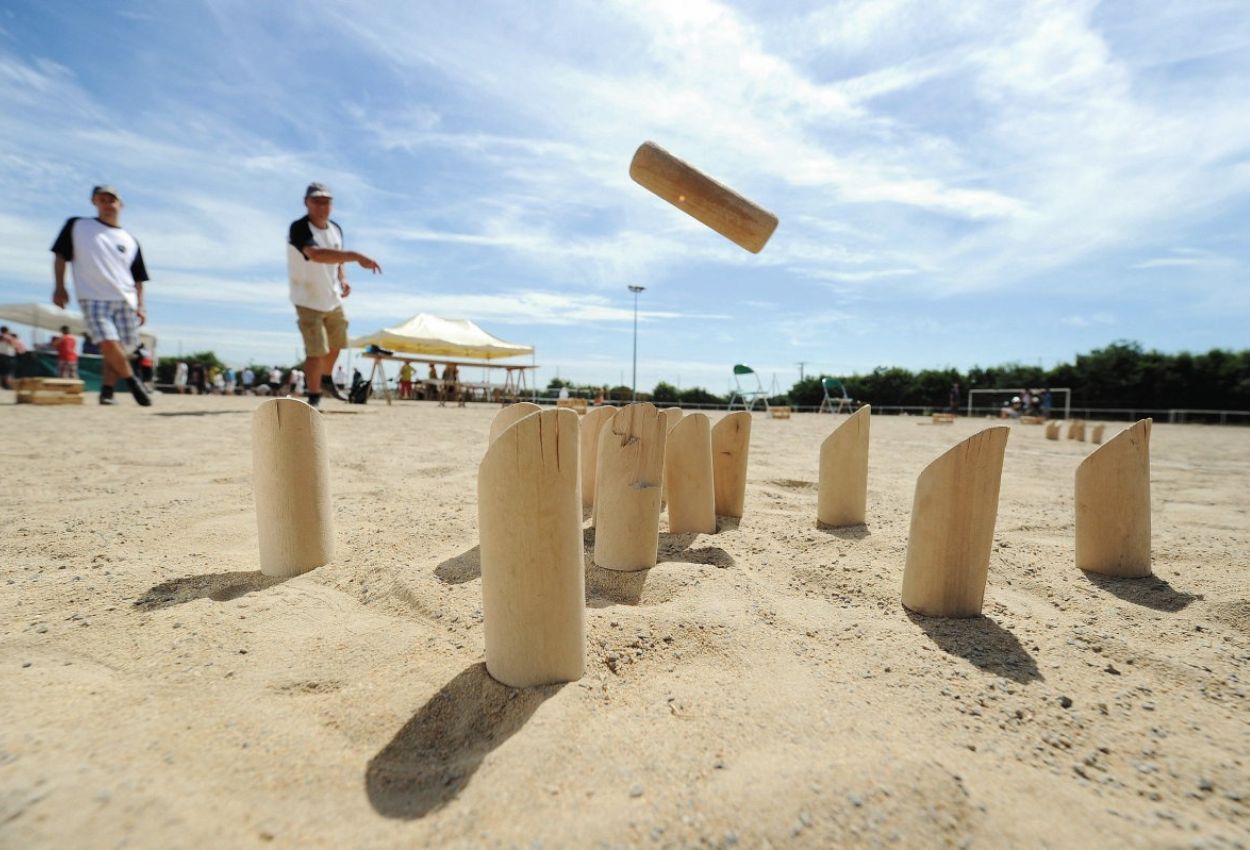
731, 447
952, 527
1113, 506
291, 480
589, 449
533, 578
842, 497
694, 193
509, 415
688, 475
627, 489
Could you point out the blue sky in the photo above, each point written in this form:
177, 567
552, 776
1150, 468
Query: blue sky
958, 183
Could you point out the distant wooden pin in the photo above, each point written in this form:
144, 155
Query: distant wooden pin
291, 481
672, 415
588, 443
842, 495
627, 489
1095, 433
701, 197
509, 415
1113, 506
731, 448
1052, 430
533, 577
1076, 430
688, 476
952, 527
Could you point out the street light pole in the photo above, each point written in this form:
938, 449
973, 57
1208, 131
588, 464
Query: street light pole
635, 290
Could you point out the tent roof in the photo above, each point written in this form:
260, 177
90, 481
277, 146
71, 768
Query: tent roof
426, 334
50, 317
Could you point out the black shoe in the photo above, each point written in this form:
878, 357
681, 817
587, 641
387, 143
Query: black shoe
107, 399
140, 394
328, 387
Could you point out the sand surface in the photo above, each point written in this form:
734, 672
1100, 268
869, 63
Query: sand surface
760, 687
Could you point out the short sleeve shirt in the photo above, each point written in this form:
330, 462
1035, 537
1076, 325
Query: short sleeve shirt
313, 285
105, 260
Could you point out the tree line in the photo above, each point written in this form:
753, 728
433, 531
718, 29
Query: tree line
1120, 375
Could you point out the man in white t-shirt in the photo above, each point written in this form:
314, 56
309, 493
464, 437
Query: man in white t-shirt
314, 262
108, 278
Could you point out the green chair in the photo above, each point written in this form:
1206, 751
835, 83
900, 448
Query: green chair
835, 391
747, 395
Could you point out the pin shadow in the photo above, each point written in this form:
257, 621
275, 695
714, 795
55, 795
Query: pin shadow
461, 568
845, 532
982, 642
219, 587
1147, 591
434, 755
605, 588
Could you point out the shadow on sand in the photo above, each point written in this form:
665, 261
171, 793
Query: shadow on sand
432, 758
845, 532
983, 642
219, 587
461, 568
201, 412
1148, 591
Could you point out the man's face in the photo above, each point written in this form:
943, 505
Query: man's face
318, 208
107, 204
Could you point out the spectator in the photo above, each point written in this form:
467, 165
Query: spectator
8, 357
340, 377
229, 380
108, 277
315, 270
181, 373
405, 380
249, 377
66, 354
146, 371
275, 380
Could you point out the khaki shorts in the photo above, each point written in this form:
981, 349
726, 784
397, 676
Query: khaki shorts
322, 331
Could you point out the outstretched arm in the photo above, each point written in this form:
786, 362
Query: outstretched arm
332, 255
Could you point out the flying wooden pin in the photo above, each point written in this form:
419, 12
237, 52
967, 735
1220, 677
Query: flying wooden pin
694, 193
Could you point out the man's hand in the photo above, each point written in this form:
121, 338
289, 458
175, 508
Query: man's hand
345, 287
142, 313
60, 296
368, 263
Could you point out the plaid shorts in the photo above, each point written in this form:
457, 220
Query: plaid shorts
111, 320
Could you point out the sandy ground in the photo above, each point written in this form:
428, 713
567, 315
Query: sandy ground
760, 687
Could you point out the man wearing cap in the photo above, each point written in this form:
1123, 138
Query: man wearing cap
314, 262
108, 278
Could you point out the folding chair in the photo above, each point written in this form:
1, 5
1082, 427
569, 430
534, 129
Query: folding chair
747, 395
835, 391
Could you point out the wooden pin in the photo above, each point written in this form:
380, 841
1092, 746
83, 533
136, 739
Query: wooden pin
291, 480
1113, 506
1052, 430
533, 577
627, 489
1095, 434
701, 197
672, 415
589, 446
1076, 430
509, 415
688, 475
731, 446
952, 527
842, 496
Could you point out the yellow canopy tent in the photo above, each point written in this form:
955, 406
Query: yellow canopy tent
437, 337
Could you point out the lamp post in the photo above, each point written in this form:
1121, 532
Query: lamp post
634, 385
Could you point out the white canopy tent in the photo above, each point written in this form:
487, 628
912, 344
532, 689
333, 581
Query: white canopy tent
434, 336
49, 317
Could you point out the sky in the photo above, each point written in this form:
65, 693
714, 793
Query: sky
960, 183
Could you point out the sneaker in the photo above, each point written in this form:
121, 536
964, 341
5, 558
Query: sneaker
328, 388
107, 399
140, 394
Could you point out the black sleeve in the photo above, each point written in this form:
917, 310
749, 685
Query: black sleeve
137, 270
301, 235
63, 247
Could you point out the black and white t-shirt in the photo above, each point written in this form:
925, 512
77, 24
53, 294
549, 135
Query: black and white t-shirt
313, 285
106, 260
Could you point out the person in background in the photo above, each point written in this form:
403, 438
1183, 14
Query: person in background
108, 277
405, 381
146, 370
1047, 403
181, 376
8, 357
249, 377
66, 346
315, 269
953, 400
275, 380
340, 377
229, 376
